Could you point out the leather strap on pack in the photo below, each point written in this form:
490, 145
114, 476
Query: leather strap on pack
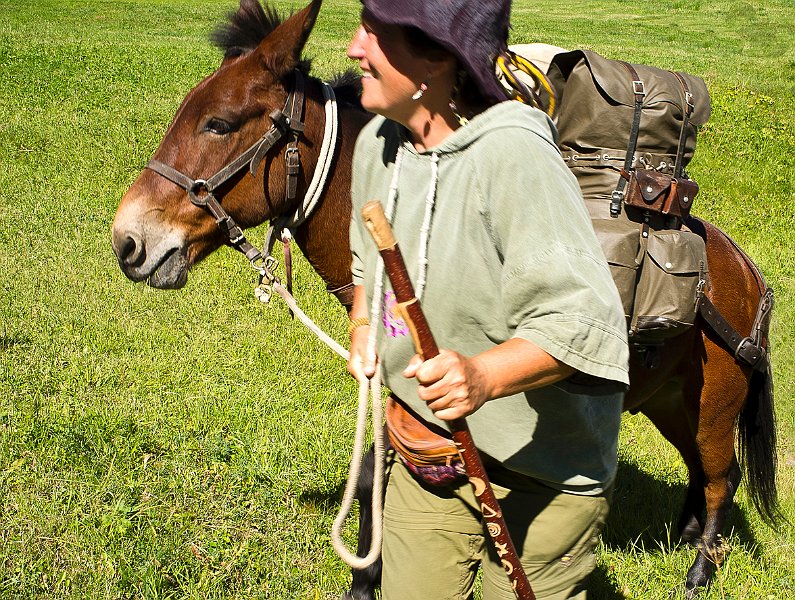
687, 111
749, 349
617, 197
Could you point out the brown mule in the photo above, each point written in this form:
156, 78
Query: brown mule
698, 394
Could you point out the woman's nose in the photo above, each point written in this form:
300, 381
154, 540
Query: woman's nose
355, 49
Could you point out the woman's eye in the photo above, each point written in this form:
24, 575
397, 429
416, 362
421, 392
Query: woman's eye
218, 127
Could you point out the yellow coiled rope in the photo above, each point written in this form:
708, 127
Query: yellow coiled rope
519, 90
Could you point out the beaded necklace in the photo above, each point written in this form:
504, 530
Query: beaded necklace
422, 254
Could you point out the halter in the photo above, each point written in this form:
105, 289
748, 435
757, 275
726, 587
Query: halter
201, 192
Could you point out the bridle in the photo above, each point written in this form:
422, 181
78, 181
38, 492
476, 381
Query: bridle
201, 192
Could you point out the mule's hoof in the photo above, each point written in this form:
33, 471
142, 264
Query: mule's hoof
693, 591
698, 578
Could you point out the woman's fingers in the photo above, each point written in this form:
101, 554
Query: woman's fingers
360, 365
451, 384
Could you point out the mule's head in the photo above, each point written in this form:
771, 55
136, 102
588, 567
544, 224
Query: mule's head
158, 233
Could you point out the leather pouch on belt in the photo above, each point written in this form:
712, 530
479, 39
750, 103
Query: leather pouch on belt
660, 193
648, 190
427, 450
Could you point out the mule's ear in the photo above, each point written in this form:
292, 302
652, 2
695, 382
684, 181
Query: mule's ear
280, 52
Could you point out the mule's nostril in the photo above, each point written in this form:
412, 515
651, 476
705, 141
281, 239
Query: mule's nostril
131, 251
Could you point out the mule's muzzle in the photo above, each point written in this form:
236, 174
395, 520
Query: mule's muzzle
163, 267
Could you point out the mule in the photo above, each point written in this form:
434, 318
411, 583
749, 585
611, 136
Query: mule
190, 201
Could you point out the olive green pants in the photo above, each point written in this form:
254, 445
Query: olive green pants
434, 539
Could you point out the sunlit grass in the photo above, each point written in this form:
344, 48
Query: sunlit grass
192, 444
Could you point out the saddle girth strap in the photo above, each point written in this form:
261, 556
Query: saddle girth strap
748, 350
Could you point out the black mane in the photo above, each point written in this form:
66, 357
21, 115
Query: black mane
245, 28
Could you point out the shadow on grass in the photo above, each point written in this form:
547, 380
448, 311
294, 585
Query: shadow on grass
325, 500
601, 586
8, 342
645, 512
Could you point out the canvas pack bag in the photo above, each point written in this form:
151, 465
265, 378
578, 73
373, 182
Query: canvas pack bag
598, 102
627, 132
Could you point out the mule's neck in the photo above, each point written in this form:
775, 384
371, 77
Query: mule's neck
323, 237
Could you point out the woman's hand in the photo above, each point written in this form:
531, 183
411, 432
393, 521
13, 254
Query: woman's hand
361, 366
455, 386
452, 385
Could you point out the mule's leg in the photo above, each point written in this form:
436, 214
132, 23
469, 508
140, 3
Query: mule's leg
722, 400
674, 411
365, 581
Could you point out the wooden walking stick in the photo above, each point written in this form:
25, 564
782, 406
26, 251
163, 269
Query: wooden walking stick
409, 307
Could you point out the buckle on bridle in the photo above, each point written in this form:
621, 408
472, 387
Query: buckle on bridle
265, 266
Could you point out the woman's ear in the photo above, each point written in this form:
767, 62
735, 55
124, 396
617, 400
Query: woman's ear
442, 70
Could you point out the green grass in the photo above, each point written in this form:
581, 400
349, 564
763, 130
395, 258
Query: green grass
193, 444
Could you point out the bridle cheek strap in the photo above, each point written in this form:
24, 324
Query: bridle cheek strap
201, 192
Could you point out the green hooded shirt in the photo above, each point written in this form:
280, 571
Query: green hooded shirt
510, 253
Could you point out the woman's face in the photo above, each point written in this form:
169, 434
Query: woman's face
391, 72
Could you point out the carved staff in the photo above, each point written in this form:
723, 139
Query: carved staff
409, 308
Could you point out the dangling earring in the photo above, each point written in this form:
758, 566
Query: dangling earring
420, 92
462, 120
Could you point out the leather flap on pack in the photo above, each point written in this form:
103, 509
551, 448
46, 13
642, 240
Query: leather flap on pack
614, 81
610, 76
677, 252
652, 185
686, 190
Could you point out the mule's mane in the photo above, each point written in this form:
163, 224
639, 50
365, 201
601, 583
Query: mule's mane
245, 28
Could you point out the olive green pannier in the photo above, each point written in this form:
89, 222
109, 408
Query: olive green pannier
627, 132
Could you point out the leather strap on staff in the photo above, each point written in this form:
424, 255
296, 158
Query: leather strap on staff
411, 311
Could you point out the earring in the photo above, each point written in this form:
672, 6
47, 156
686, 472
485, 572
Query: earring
460, 77
462, 120
419, 93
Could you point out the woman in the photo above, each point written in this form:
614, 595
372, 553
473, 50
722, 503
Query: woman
514, 285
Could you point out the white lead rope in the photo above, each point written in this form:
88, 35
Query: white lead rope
373, 389
352, 560
369, 392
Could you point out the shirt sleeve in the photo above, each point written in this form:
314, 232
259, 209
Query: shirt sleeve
556, 285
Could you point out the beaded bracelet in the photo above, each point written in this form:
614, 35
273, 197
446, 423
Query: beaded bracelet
356, 323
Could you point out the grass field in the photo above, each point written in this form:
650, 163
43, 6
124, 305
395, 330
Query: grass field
194, 444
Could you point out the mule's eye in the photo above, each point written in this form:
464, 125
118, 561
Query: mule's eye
218, 126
